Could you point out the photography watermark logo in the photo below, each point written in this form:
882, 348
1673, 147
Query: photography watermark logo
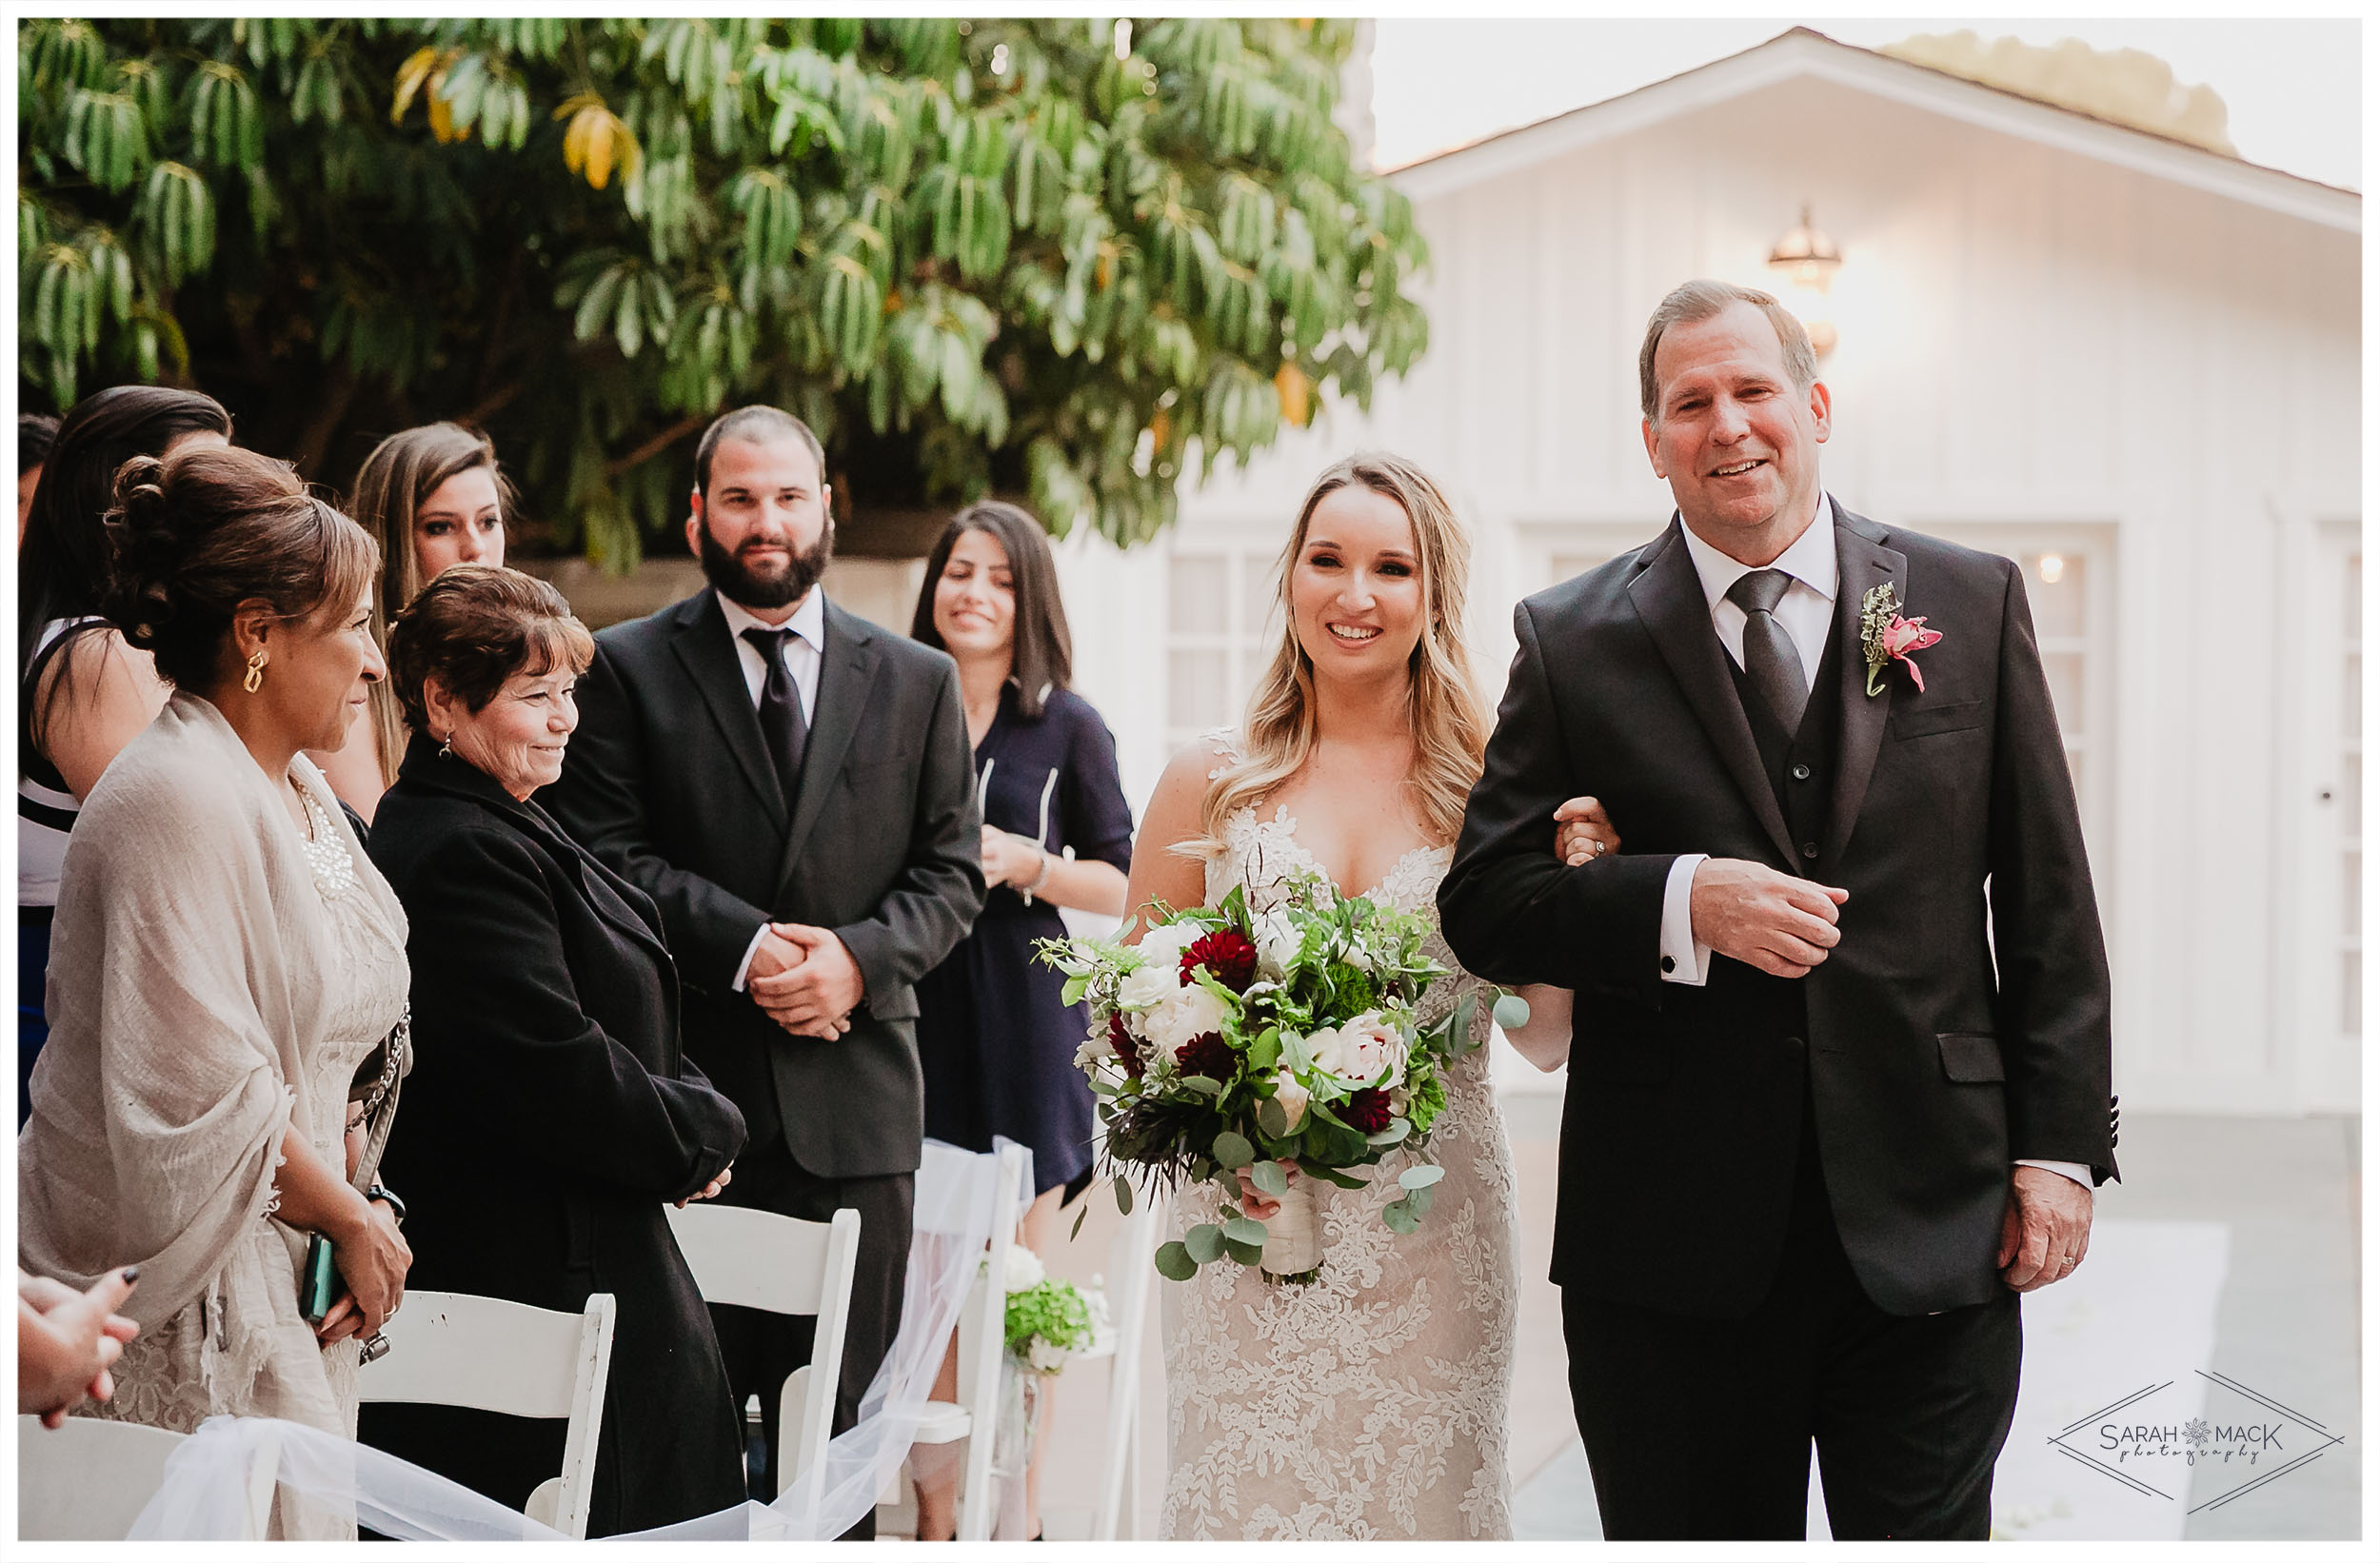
2248, 1439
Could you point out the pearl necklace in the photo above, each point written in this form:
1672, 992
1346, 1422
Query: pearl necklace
333, 869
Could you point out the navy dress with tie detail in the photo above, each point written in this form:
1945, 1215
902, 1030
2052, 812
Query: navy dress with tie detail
996, 1039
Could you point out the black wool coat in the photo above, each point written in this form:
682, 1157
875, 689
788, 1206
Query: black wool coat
549, 1115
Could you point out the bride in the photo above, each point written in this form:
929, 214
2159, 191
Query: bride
1373, 1402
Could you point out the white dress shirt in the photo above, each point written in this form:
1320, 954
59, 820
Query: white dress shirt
807, 644
803, 649
1807, 614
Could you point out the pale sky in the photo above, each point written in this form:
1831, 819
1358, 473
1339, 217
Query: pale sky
2293, 87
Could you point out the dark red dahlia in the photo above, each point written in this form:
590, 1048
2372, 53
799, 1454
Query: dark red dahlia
1207, 1054
1126, 1049
1227, 957
1366, 1111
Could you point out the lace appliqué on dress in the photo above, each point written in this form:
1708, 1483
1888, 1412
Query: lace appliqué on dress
1373, 1403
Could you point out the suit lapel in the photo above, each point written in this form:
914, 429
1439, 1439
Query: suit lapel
845, 674
1864, 564
708, 653
1668, 597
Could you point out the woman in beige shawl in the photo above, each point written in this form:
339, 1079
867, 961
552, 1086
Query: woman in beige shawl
225, 959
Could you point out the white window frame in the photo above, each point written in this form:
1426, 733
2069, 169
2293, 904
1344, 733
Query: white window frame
1244, 549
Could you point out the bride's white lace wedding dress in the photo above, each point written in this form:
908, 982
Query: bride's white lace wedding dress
1372, 1403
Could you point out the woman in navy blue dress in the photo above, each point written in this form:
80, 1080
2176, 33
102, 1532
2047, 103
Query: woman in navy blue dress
996, 1042
994, 1034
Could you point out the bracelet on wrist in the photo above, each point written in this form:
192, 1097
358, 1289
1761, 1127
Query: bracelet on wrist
1049, 862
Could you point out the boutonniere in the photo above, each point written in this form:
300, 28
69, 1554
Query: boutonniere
1888, 638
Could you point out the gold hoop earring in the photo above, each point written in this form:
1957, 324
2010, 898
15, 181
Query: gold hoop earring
255, 672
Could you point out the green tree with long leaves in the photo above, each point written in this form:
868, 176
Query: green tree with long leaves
1058, 259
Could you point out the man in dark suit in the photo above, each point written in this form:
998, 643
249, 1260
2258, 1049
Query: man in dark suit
1817, 1138
793, 786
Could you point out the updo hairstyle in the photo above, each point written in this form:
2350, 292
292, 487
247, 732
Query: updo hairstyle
194, 536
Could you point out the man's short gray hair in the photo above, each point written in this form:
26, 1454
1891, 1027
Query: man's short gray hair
1690, 303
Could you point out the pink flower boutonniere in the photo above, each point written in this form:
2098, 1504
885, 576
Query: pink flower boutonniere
1889, 638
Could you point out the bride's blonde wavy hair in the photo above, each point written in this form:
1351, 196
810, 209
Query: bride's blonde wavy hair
1443, 706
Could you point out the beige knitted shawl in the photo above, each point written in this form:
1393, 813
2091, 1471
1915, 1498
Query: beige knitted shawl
187, 1004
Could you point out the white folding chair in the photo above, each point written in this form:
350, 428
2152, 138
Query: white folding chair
1129, 1262
982, 1346
89, 1479
453, 1349
755, 1259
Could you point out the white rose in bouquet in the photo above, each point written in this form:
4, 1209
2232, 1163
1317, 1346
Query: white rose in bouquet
1276, 942
1162, 945
1361, 1048
1045, 1357
1186, 1013
1025, 1269
1291, 1096
1148, 985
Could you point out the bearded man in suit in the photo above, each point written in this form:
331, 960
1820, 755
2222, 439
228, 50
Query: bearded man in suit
794, 788
1839, 1076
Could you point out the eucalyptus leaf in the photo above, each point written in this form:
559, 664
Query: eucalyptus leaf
1079, 1217
1247, 1254
1204, 1242
1400, 1217
1419, 1199
1233, 1150
1269, 1179
1512, 1012
1175, 1263
1393, 1135
1124, 1196
1273, 1118
1241, 1229
1420, 1177
1203, 1085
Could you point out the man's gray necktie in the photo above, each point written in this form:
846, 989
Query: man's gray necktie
1768, 654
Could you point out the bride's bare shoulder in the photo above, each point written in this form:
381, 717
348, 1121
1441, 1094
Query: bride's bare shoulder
1183, 785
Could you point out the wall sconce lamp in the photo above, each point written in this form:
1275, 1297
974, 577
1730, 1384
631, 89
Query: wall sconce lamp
1807, 255
1808, 260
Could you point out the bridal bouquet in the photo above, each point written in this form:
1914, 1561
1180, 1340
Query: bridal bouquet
1229, 1039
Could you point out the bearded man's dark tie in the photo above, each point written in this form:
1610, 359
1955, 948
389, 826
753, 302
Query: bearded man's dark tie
782, 725
1770, 658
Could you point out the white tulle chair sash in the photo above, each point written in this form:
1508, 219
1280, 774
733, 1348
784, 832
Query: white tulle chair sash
205, 1494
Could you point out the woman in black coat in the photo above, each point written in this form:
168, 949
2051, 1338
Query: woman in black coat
550, 1111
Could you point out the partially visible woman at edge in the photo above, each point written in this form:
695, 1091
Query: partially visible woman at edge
995, 1034
430, 497
81, 692
228, 957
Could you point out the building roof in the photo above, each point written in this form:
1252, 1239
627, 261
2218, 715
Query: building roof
1802, 53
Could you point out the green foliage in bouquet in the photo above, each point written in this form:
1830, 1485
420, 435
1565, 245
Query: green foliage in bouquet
1051, 258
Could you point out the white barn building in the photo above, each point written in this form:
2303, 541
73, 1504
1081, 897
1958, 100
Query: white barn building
2128, 362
